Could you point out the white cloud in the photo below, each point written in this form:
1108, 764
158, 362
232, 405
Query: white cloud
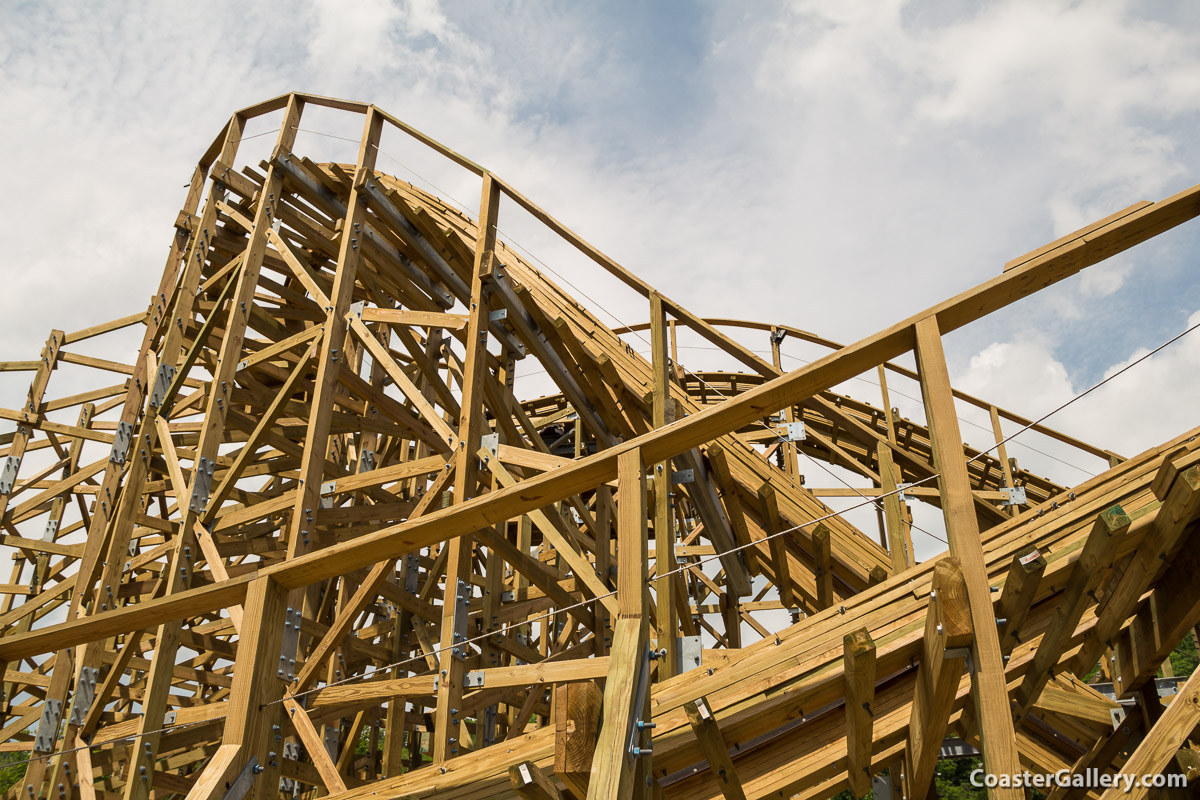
829, 165
1153, 401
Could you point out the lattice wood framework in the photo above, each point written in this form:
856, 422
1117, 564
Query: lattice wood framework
310, 541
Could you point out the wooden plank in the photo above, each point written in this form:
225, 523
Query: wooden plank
947, 628
1110, 526
1160, 745
962, 528
859, 672
576, 728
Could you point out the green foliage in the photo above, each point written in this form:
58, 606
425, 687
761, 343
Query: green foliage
364, 741
1184, 657
11, 773
953, 779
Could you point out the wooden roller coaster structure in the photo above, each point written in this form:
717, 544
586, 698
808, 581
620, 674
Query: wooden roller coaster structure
311, 542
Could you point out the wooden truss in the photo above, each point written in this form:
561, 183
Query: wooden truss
311, 541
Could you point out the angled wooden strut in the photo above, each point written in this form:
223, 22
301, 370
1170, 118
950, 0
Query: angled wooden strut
378, 508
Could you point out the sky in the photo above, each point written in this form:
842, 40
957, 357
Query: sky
836, 166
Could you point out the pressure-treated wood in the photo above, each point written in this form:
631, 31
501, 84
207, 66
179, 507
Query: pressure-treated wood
379, 508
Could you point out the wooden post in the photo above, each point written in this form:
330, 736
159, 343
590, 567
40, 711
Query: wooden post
962, 528
667, 614
716, 751
859, 676
823, 554
471, 427
1020, 589
1108, 529
576, 727
616, 769
899, 531
947, 628
1160, 745
773, 526
252, 719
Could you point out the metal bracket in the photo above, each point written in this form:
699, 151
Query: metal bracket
170, 717
162, 382
51, 530
794, 431
47, 732
291, 751
491, 442
508, 597
85, 693
201, 484
473, 680
1117, 715
496, 315
688, 653
462, 602
245, 779
902, 496
965, 654
1015, 495
639, 702
121, 440
331, 740
412, 577
356, 309
683, 476
366, 460
489, 725
290, 644
8, 473
327, 491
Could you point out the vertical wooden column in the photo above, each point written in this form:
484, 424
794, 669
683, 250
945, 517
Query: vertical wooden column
158, 682
466, 479
616, 770
664, 521
252, 729
790, 464
947, 629
111, 519
1002, 456
899, 532
330, 360
989, 692
859, 680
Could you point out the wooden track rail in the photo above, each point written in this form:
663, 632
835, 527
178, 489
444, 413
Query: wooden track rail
321, 538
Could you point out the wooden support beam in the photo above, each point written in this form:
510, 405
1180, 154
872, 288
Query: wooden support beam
1106, 533
713, 746
948, 633
576, 728
1099, 756
530, 783
769, 507
1161, 743
823, 556
962, 528
859, 653
667, 613
899, 531
1179, 491
466, 478
616, 765
1020, 589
